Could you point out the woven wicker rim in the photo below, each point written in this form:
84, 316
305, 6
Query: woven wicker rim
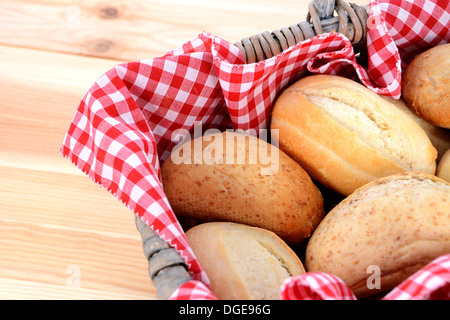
351, 21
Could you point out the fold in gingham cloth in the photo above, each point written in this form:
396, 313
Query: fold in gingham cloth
127, 122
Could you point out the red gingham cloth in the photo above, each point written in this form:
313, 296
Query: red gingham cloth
128, 121
193, 290
430, 283
315, 286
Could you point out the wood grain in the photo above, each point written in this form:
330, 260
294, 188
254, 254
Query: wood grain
53, 219
131, 30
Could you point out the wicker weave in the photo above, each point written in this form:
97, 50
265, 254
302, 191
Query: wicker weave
351, 21
167, 268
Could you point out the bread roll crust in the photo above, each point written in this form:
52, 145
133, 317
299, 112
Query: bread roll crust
286, 202
397, 224
443, 169
345, 136
243, 262
439, 137
426, 85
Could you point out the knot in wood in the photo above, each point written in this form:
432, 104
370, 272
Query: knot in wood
103, 45
109, 13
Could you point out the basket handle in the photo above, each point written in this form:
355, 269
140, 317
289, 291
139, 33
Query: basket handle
351, 21
167, 269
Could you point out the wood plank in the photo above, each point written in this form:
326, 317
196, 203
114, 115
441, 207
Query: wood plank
65, 259
26, 290
40, 92
63, 200
53, 219
52, 222
138, 29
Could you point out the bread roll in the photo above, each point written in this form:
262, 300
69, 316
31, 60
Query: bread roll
443, 169
439, 137
426, 85
345, 136
389, 228
236, 185
243, 262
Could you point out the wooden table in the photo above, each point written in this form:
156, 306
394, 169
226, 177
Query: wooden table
61, 235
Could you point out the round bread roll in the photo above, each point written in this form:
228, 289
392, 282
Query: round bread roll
226, 177
383, 233
426, 85
243, 262
439, 137
443, 169
345, 135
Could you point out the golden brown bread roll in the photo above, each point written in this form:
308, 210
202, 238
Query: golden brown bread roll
390, 227
243, 262
279, 196
443, 169
345, 135
426, 85
439, 137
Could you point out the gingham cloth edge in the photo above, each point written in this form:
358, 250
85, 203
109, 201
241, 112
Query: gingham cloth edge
315, 286
431, 282
192, 290
177, 241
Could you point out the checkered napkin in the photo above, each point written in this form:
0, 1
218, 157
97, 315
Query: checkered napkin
127, 123
430, 283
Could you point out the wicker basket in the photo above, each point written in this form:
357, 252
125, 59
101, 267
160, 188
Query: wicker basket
167, 269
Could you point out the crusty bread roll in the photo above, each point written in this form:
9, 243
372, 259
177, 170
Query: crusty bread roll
443, 169
389, 228
278, 196
345, 135
426, 85
439, 137
243, 262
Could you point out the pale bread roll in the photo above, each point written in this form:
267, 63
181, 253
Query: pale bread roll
345, 135
392, 227
243, 262
426, 85
439, 137
443, 169
279, 196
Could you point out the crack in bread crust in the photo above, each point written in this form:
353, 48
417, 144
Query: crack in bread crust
361, 119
